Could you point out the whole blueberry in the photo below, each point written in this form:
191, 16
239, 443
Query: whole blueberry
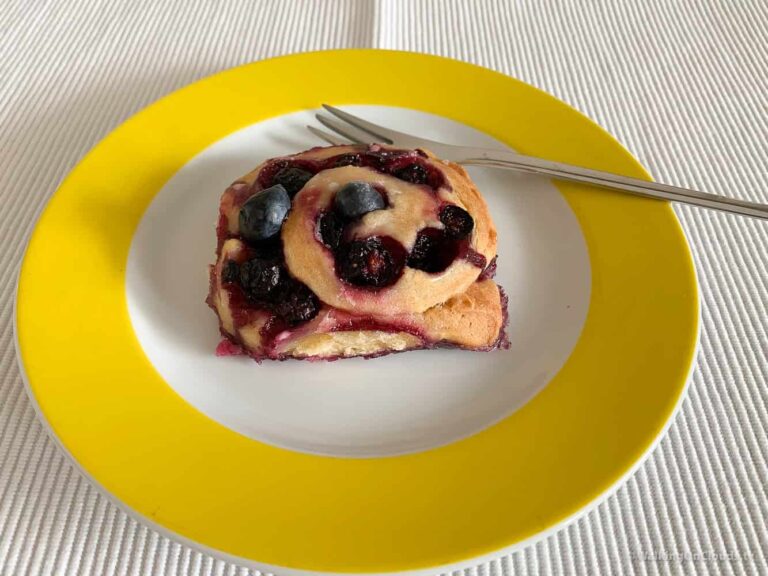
358, 198
292, 178
261, 217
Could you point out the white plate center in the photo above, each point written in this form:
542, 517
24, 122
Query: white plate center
396, 404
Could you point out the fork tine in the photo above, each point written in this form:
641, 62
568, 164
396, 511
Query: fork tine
327, 136
338, 128
378, 132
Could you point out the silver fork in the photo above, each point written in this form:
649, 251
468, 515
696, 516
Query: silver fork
360, 131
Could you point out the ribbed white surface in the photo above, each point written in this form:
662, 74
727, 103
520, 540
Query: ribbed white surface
682, 84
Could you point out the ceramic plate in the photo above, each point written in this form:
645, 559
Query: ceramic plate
412, 462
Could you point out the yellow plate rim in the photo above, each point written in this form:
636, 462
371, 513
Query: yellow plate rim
285, 571
617, 481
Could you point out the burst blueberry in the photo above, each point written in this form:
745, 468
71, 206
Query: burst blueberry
331, 227
358, 198
413, 173
346, 160
374, 262
261, 217
260, 278
292, 178
457, 221
433, 251
297, 303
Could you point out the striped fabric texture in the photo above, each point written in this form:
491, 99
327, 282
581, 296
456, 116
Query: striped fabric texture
682, 84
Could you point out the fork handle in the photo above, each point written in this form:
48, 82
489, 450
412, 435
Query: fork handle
635, 186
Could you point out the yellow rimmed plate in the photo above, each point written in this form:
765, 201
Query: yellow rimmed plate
412, 462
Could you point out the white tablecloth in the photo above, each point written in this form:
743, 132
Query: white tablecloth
683, 85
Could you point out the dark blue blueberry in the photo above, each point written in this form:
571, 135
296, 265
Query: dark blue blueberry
358, 198
261, 217
457, 221
292, 179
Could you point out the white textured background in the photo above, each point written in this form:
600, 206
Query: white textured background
683, 85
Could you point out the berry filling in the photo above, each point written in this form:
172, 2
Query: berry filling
366, 263
260, 283
230, 272
292, 178
346, 160
433, 251
259, 278
408, 165
288, 172
297, 304
413, 173
489, 271
475, 258
457, 221
375, 262
331, 227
